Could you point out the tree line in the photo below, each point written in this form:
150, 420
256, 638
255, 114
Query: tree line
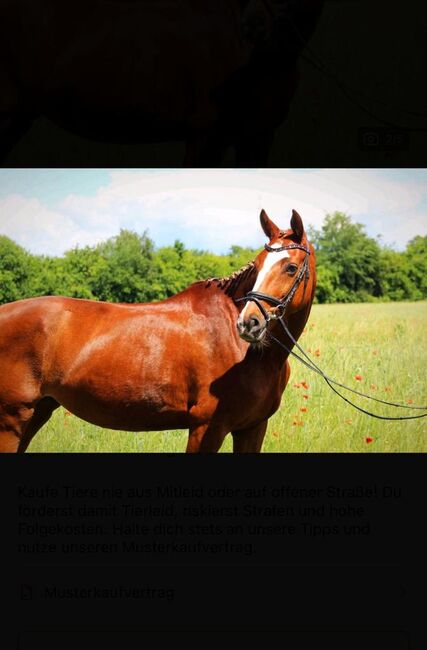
351, 267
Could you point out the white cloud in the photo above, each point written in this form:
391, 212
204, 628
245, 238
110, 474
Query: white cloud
38, 229
213, 209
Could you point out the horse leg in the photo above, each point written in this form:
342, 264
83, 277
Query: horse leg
246, 441
19, 422
42, 412
206, 438
9, 442
13, 418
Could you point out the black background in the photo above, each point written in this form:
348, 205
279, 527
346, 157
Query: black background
300, 591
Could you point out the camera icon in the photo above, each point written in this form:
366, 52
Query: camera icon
370, 139
26, 592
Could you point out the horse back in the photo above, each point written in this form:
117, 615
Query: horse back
66, 339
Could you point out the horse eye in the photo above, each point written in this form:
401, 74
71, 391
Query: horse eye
291, 269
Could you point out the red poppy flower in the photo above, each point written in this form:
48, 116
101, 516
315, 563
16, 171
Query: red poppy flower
369, 439
305, 396
358, 377
317, 352
304, 385
303, 409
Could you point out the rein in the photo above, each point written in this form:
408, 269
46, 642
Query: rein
315, 368
257, 296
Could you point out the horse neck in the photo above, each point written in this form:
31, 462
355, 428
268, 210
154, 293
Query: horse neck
297, 321
240, 287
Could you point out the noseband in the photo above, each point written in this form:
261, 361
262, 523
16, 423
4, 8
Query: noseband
282, 303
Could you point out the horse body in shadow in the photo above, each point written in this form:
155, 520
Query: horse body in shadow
211, 74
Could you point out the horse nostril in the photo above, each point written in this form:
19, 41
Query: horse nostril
249, 326
254, 323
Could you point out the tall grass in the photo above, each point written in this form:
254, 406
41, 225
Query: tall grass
383, 345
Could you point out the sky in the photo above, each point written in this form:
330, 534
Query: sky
49, 211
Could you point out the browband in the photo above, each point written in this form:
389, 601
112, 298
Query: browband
271, 249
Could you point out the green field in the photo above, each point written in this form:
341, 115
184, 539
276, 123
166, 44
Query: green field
385, 345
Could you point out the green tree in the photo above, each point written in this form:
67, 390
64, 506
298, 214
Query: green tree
327, 281
123, 270
48, 277
239, 256
396, 283
81, 267
350, 266
173, 270
14, 271
209, 265
351, 257
416, 258
69, 275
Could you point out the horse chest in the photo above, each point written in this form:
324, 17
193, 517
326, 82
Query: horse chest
265, 393
250, 394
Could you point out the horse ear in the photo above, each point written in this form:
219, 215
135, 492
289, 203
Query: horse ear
297, 225
270, 228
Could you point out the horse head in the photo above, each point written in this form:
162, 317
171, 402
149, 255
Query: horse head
285, 280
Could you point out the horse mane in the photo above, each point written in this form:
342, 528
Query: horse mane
231, 283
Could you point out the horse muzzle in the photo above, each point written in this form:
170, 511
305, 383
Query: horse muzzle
252, 329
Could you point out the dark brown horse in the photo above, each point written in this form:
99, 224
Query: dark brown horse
212, 74
201, 359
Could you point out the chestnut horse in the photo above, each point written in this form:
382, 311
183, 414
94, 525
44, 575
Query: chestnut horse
201, 359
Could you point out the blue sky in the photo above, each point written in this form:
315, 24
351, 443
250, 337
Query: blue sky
49, 211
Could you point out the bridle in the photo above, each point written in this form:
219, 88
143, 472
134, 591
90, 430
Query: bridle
278, 314
282, 303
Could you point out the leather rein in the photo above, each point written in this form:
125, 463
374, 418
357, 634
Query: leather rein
279, 313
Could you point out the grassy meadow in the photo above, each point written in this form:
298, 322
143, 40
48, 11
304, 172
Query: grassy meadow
380, 349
